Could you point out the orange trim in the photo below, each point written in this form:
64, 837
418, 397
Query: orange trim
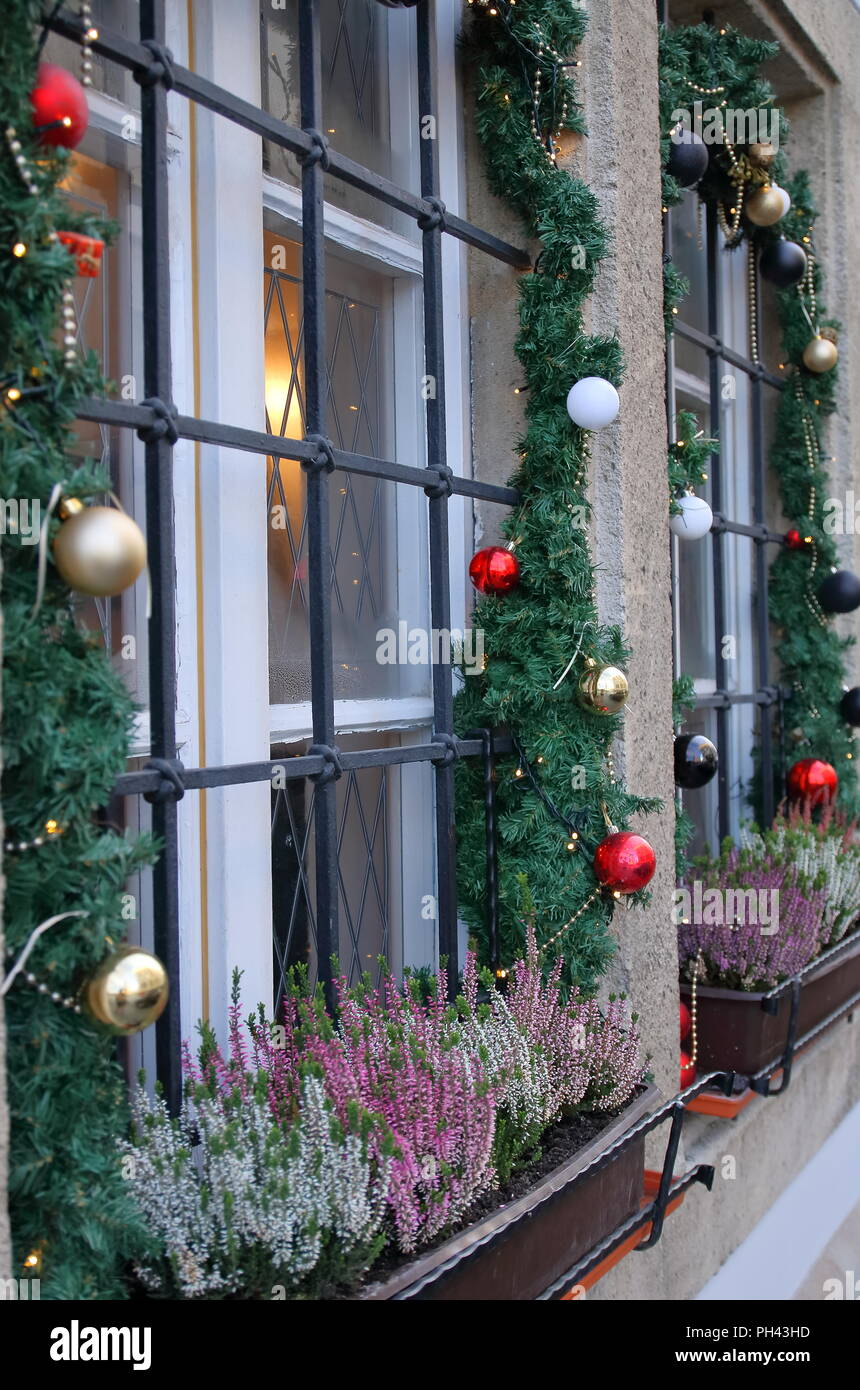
724, 1107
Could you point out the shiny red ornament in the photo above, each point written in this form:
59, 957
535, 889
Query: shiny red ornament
60, 111
812, 780
795, 541
87, 251
685, 1019
624, 862
688, 1070
494, 570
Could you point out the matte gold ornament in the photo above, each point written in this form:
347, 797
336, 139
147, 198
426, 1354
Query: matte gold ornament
128, 991
603, 689
765, 206
98, 550
820, 354
762, 153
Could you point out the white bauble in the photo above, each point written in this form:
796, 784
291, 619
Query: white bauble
592, 403
786, 200
694, 519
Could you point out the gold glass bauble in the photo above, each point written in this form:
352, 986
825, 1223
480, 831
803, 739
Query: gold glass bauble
765, 206
603, 689
820, 354
762, 153
128, 990
98, 550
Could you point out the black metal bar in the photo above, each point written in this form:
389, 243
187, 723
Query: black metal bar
319, 544
759, 465
440, 596
757, 532
488, 752
761, 1082
717, 540
160, 542
256, 442
724, 699
659, 1205
147, 781
713, 344
223, 103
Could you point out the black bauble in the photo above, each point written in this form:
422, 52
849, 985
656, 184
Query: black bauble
849, 706
688, 158
783, 263
840, 592
695, 761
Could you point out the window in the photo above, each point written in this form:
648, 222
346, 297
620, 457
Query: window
343, 787
720, 584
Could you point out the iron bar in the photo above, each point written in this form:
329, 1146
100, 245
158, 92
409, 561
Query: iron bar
713, 345
715, 471
125, 415
319, 543
438, 493
139, 60
160, 542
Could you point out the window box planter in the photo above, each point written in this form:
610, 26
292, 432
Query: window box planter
745, 1032
516, 1252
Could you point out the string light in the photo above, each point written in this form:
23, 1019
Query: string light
19, 249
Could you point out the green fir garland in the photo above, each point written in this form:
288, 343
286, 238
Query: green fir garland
66, 727
550, 800
693, 62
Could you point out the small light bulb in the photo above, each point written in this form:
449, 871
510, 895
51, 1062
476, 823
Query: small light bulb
19, 249
13, 394
519, 772
674, 311
31, 1261
91, 35
616, 894
52, 827
66, 121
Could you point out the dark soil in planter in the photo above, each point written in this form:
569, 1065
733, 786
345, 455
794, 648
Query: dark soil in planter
558, 1144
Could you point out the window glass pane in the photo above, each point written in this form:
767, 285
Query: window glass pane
378, 531
382, 891
366, 66
116, 17
688, 254
108, 327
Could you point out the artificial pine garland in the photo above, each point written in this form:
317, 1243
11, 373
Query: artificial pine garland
722, 69
66, 729
556, 800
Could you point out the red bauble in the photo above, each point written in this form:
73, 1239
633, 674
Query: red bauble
795, 541
688, 1070
60, 111
685, 1019
624, 862
812, 780
494, 570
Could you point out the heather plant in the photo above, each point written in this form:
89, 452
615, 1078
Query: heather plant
825, 850
518, 1071
743, 952
396, 1055
242, 1205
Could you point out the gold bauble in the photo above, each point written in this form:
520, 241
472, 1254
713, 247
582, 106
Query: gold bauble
765, 206
762, 153
820, 354
128, 991
98, 550
603, 689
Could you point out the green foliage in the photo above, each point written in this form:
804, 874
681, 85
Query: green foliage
532, 634
66, 724
810, 652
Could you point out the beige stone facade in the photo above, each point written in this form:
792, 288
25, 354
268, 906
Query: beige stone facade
818, 80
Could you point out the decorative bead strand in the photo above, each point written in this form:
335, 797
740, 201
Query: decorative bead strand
22, 163
575, 918
89, 36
